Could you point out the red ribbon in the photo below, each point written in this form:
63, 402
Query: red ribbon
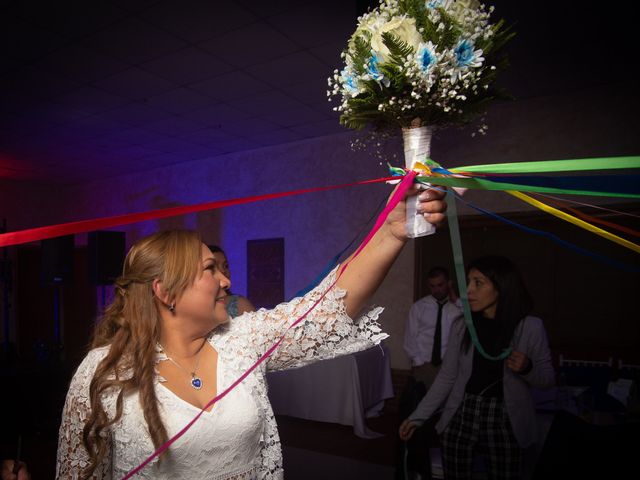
398, 195
41, 233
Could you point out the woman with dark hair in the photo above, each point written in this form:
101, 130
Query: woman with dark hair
488, 403
236, 304
166, 346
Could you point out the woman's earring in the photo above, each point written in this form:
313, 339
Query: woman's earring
172, 307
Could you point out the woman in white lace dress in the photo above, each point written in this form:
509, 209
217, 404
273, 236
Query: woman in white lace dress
165, 347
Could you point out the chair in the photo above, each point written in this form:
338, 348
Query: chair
588, 382
575, 362
625, 388
628, 370
586, 373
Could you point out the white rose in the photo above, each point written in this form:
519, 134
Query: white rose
368, 25
402, 27
449, 4
471, 4
459, 8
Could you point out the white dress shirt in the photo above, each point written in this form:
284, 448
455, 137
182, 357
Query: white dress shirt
421, 327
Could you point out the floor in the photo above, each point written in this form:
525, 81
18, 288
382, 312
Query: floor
302, 464
339, 440
318, 450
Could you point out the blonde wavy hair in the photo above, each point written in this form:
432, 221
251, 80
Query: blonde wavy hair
130, 327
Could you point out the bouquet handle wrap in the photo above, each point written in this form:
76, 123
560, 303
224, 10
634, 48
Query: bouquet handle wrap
417, 148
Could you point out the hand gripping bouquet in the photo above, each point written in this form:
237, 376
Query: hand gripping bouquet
417, 65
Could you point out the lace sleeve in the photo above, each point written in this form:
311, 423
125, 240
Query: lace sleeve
326, 332
72, 456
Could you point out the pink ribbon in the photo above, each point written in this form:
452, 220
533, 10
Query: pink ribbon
41, 233
398, 195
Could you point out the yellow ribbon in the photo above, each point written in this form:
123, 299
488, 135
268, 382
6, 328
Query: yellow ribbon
576, 221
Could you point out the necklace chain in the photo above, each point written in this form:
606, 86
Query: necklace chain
196, 382
195, 368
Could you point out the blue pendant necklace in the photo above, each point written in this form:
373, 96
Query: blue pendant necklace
196, 381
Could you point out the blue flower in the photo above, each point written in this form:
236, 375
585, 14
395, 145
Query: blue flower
434, 4
426, 57
349, 82
466, 56
374, 71
372, 68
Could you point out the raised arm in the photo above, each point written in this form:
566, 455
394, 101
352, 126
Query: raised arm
328, 329
366, 271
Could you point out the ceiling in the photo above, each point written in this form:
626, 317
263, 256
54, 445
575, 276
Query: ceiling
97, 88
90, 89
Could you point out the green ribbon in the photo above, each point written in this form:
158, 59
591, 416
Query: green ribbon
547, 166
585, 164
478, 183
575, 165
456, 247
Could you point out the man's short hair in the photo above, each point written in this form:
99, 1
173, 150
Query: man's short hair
437, 272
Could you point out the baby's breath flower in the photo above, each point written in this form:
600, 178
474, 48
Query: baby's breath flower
393, 51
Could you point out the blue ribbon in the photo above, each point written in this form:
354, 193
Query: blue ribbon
555, 238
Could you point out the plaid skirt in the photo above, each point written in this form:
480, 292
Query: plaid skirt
481, 425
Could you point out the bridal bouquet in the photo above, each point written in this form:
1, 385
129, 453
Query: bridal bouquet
417, 65
420, 62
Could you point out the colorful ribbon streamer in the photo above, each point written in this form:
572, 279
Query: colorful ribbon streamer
456, 247
42, 233
554, 166
482, 184
590, 205
576, 221
555, 238
623, 184
431, 168
589, 218
493, 179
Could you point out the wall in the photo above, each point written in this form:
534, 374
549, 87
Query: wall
315, 226
591, 122
22, 205
27, 204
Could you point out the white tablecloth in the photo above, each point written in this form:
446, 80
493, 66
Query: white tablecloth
342, 390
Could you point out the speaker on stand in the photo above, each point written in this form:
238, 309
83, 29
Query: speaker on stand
106, 258
6, 276
56, 271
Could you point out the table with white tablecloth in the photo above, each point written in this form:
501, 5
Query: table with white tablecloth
344, 390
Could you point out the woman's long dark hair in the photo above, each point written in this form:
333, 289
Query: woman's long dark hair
514, 301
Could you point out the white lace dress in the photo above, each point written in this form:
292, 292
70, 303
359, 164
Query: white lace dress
238, 439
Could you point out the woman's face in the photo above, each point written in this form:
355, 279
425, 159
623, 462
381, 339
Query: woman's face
204, 301
483, 295
222, 263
